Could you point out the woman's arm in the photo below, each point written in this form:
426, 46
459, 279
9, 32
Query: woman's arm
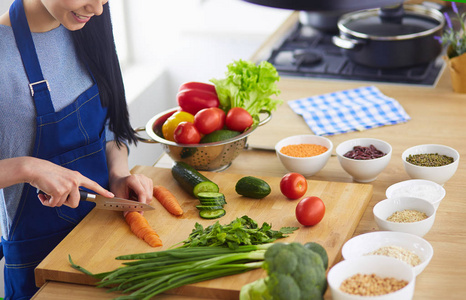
60, 184
122, 182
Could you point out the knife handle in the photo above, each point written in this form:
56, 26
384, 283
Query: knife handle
85, 196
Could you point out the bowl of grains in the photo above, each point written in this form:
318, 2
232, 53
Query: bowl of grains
372, 277
405, 214
304, 154
418, 188
410, 248
437, 163
364, 158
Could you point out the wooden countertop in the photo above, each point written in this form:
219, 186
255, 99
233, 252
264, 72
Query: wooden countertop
438, 116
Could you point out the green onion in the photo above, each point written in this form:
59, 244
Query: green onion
149, 274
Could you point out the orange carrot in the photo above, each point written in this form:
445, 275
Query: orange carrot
141, 228
168, 200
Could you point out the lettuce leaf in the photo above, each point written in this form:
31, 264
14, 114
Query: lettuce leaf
249, 86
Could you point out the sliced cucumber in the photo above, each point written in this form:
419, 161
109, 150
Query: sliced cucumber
191, 180
209, 207
212, 214
210, 196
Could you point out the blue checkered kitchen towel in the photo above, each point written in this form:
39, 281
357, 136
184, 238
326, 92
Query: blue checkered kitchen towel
350, 110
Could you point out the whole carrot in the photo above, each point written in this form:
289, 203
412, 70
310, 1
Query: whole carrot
168, 200
141, 228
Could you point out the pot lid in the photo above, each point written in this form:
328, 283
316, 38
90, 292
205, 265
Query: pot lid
404, 22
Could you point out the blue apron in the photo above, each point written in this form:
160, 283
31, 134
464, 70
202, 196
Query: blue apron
73, 137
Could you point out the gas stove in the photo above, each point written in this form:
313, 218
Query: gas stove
308, 52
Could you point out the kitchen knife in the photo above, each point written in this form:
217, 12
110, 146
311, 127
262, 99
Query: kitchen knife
114, 203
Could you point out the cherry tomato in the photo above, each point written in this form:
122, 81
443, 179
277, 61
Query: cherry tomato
207, 120
238, 119
310, 211
293, 185
186, 133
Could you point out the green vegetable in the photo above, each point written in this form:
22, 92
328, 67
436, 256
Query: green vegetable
319, 249
294, 272
212, 213
149, 274
219, 135
249, 86
252, 187
191, 180
241, 231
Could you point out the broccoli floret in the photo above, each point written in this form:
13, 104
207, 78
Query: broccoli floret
294, 273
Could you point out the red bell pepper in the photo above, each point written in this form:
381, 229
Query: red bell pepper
194, 96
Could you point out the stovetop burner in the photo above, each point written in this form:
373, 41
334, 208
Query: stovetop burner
307, 52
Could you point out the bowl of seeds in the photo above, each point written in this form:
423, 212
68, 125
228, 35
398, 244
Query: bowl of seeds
372, 277
405, 214
437, 163
410, 248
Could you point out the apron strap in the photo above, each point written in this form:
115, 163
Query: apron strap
39, 87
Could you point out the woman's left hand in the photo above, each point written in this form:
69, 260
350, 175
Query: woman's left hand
133, 186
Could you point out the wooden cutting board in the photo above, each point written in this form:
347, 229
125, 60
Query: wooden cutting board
103, 234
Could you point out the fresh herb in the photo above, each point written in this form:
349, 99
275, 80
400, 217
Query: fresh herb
455, 38
249, 86
149, 274
241, 231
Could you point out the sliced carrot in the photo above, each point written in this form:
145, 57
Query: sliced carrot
141, 228
168, 200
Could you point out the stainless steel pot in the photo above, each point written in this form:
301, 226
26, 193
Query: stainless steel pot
371, 38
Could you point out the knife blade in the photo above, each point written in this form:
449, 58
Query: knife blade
118, 204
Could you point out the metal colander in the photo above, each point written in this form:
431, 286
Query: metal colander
205, 157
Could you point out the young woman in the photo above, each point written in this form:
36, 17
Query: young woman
64, 125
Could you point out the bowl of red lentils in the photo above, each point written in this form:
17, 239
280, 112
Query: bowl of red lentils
372, 277
437, 163
410, 248
304, 154
364, 158
405, 214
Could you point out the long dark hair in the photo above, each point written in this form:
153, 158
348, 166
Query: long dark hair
95, 46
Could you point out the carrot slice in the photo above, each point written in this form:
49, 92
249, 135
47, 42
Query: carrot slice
141, 228
168, 200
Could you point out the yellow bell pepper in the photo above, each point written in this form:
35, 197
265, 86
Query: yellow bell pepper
169, 126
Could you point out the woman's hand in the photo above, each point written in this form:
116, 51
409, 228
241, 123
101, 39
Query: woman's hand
60, 185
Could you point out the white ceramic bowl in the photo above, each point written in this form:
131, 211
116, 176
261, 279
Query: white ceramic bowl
369, 242
306, 166
418, 188
440, 174
374, 264
387, 207
364, 170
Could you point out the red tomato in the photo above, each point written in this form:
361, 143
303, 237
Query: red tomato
238, 119
186, 133
221, 115
293, 185
310, 211
207, 120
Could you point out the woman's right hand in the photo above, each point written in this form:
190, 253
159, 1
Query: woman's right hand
61, 185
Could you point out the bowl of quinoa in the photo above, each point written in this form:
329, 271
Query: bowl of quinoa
372, 277
410, 248
304, 154
437, 163
405, 214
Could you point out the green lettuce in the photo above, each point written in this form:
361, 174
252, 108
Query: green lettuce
249, 86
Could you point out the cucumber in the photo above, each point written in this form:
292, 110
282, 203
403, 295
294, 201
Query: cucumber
252, 187
219, 135
209, 207
211, 197
191, 180
212, 214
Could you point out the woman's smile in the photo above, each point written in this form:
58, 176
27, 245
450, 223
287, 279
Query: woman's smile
80, 18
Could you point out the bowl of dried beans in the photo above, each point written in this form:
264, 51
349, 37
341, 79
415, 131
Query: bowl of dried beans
364, 158
304, 154
437, 163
